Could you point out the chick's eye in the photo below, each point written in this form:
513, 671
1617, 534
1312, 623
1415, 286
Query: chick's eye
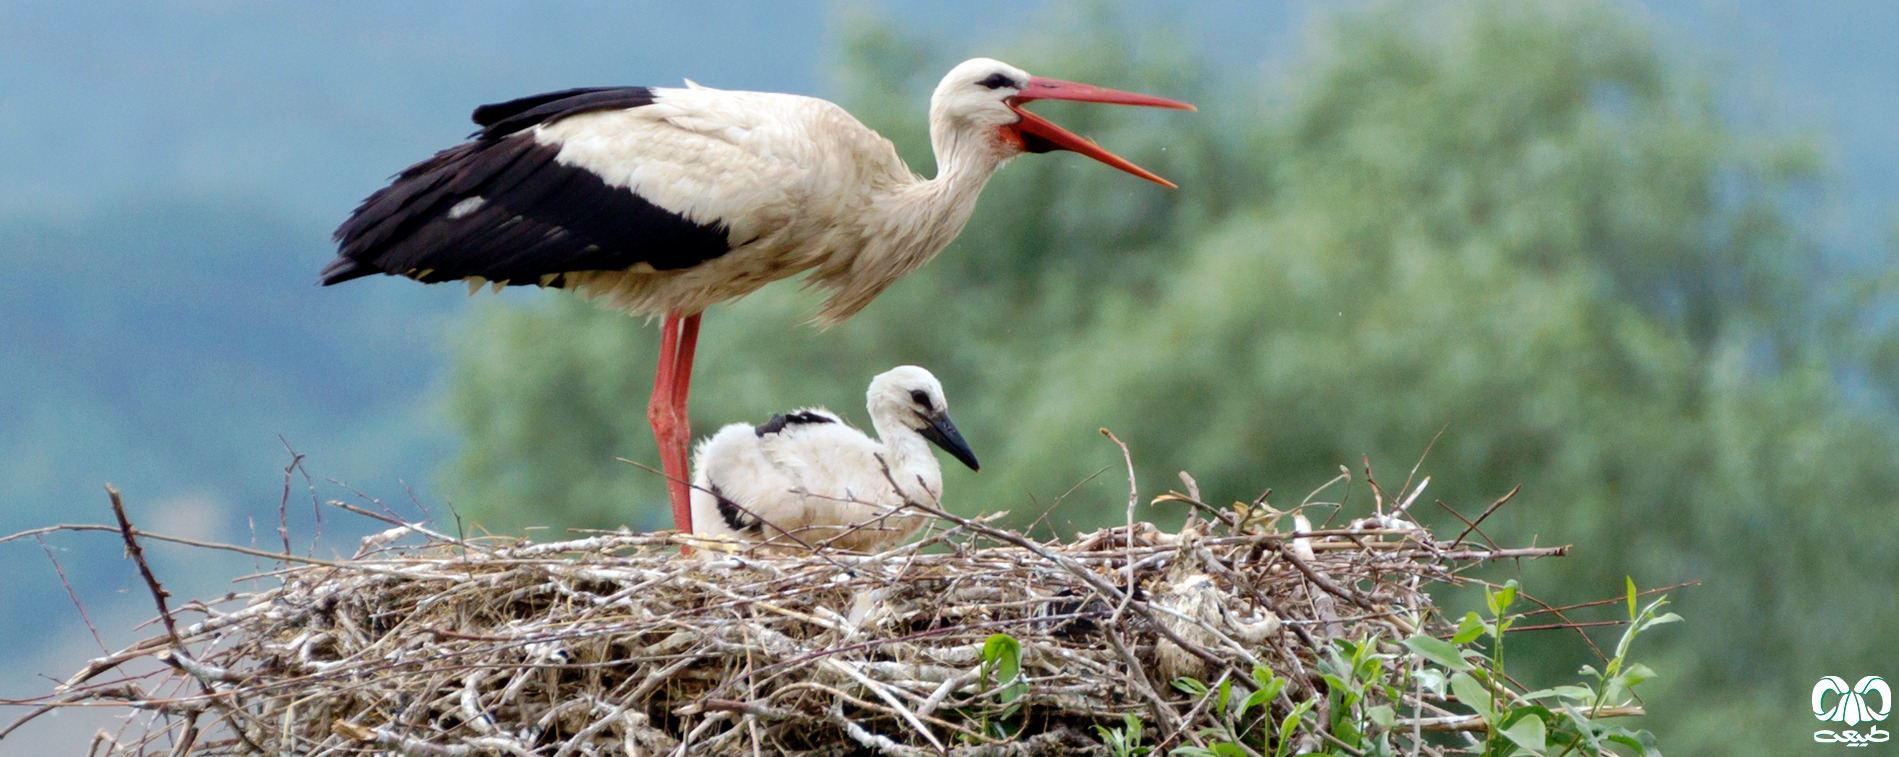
920, 398
998, 81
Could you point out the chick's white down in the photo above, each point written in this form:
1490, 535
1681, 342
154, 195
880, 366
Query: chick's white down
807, 480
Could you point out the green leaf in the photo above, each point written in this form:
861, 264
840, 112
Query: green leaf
1228, 749
1438, 651
1572, 693
1642, 741
1501, 599
1473, 695
1264, 676
1192, 686
1372, 668
1002, 657
1583, 726
1361, 653
1269, 686
1637, 673
1255, 699
1431, 679
1226, 693
1528, 732
1469, 629
1003, 654
1011, 693
1383, 715
1631, 582
1290, 725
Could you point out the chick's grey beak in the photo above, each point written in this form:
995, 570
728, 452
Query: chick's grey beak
942, 433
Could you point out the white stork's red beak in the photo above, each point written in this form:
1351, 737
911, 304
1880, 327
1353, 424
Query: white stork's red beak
1039, 135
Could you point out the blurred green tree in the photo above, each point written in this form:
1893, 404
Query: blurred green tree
1529, 227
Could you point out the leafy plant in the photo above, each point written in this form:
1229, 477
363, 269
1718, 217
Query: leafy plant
1002, 673
1371, 704
1248, 716
1002, 665
1552, 721
1126, 740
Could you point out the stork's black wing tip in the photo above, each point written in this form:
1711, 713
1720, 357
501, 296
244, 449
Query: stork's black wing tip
494, 113
343, 269
501, 119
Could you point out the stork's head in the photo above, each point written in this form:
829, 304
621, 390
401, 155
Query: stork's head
910, 397
983, 98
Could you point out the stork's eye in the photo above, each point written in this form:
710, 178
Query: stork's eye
998, 81
921, 398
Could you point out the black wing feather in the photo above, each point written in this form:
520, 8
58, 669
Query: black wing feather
736, 517
502, 119
492, 113
519, 213
780, 421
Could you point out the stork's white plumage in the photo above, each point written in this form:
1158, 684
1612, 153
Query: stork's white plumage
667, 201
806, 479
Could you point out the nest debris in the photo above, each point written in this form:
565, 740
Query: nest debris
613, 643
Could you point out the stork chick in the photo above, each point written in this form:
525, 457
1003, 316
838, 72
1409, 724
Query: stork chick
805, 479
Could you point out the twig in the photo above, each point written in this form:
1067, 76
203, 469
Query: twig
1467, 522
1611, 600
1030, 528
124, 692
1466, 723
74, 595
400, 523
1487, 511
138, 556
1568, 625
890, 699
283, 506
1134, 498
201, 544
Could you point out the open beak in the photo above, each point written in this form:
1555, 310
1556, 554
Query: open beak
942, 433
1039, 135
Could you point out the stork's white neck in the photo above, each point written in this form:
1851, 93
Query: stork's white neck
912, 465
914, 220
933, 212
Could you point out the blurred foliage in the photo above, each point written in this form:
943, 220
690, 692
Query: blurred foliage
1527, 227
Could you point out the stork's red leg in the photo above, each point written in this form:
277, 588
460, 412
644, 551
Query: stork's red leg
682, 364
680, 490
667, 411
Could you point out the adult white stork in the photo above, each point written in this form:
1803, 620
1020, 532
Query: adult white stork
806, 479
666, 201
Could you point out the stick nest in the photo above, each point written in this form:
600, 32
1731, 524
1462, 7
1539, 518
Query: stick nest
613, 643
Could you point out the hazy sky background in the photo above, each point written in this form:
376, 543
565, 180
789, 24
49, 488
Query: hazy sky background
116, 97
200, 152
